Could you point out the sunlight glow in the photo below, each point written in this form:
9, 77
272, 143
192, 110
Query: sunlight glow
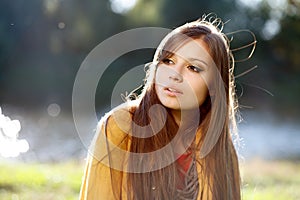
278, 4
249, 3
122, 6
10, 145
278, 9
51, 6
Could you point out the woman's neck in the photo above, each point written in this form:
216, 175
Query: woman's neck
177, 116
188, 122
186, 116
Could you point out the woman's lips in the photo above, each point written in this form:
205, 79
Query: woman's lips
170, 91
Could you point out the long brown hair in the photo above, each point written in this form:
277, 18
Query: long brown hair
214, 152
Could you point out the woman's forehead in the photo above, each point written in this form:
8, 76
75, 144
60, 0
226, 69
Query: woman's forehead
194, 49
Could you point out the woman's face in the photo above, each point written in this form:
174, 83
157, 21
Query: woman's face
181, 80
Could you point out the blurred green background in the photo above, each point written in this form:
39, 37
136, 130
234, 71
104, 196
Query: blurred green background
44, 42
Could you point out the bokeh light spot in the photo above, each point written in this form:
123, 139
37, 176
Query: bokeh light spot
61, 25
271, 28
53, 110
122, 6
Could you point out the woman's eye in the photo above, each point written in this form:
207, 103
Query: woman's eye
194, 68
167, 61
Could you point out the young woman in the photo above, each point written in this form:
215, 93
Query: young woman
172, 141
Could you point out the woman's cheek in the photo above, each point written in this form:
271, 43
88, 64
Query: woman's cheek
161, 75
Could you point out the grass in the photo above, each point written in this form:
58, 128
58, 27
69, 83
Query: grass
278, 180
40, 181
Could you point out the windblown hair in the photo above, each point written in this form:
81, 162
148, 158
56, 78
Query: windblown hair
214, 151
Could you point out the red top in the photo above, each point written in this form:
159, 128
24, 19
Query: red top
184, 162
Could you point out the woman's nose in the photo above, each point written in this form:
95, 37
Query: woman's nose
175, 75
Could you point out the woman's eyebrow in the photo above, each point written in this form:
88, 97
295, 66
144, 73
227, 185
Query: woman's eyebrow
197, 60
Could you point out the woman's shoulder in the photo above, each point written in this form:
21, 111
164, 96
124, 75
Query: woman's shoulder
116, 124
113, 137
